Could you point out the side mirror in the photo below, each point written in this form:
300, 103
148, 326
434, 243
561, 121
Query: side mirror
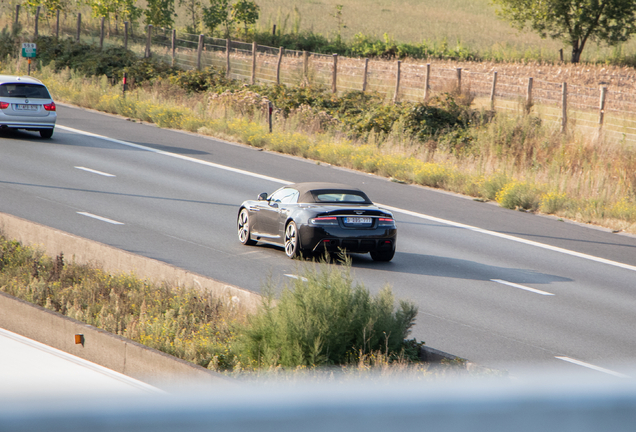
262, 197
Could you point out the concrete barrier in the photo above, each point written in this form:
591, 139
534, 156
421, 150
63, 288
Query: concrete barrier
101, 347
113, 260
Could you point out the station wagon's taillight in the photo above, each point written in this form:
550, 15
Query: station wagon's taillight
324, 220
4, 105
50, 107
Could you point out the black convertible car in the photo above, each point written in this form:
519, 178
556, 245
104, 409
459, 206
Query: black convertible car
308, 218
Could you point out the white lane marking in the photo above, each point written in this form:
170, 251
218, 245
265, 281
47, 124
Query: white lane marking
393, 209
591, 366
293, 276
511, 238
175, 155
514, 285
103, 219
95, 171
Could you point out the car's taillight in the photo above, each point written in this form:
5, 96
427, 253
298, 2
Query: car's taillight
384, 221
324, 220
50, 107
4, 105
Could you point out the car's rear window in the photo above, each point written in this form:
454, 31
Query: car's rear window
35, 91
340, 197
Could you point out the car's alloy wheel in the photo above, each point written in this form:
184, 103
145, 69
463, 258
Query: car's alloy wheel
292, 248
243, 225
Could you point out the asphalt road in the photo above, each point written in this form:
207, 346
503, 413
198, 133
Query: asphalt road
498, 287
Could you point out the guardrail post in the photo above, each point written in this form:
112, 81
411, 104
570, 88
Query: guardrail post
365, 74
601, 108
280, 59
228, 66
57, 24
79, 26
253, 77
200, 51
493, 90
174, 46
148, 52
564, 107
397, 82
528, 106
125, 35
101, 34
305, 67
270, 110
459, 80
37, 19
427, 81
334, 76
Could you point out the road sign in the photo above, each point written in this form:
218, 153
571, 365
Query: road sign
28, 50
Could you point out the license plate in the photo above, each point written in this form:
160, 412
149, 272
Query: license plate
358, 220
23, 107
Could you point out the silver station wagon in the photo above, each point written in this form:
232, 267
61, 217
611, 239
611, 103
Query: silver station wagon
25, 103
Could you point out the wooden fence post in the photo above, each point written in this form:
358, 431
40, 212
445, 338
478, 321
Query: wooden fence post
601, 108
79, 26
228, 67
101, 34
173, 46
561, 55
459, 80
305, 67
493, 90
148, 53
270, 109
199, 51
397, 81
334, 76
17, 16
365, 74
125, 35
564, 106
37, 18
427, 81
528, 106
57, 24
253, 78
280, 60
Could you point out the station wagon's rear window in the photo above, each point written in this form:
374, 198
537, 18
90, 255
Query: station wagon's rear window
35, 91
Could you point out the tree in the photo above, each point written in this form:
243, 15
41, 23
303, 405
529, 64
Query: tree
246, 12
47, 7
573, 21
160, 13
193, 8
218, 14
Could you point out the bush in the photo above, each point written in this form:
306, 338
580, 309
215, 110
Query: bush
324, 320
519, 195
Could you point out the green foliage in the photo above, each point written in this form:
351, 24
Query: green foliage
246, 12
519, 195
47, 7
89, 60
218, 14
324, 320
9, 43
160, 13
574, 21
209, 79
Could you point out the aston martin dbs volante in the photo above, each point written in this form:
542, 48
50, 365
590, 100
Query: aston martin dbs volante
311, 218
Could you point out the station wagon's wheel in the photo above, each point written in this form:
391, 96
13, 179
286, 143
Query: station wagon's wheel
46, 133
383, 256
243, 226
292, 246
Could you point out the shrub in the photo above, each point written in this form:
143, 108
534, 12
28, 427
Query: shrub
519, 195
324, 320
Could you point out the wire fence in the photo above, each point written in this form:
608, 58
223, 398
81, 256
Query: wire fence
593, 110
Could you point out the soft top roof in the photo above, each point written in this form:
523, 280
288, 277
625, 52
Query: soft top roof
308, 191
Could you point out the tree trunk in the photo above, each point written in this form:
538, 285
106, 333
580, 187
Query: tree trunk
576, 51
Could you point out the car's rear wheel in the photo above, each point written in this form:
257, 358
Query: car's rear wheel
292, 243
383, 256
46, 133
243, 226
